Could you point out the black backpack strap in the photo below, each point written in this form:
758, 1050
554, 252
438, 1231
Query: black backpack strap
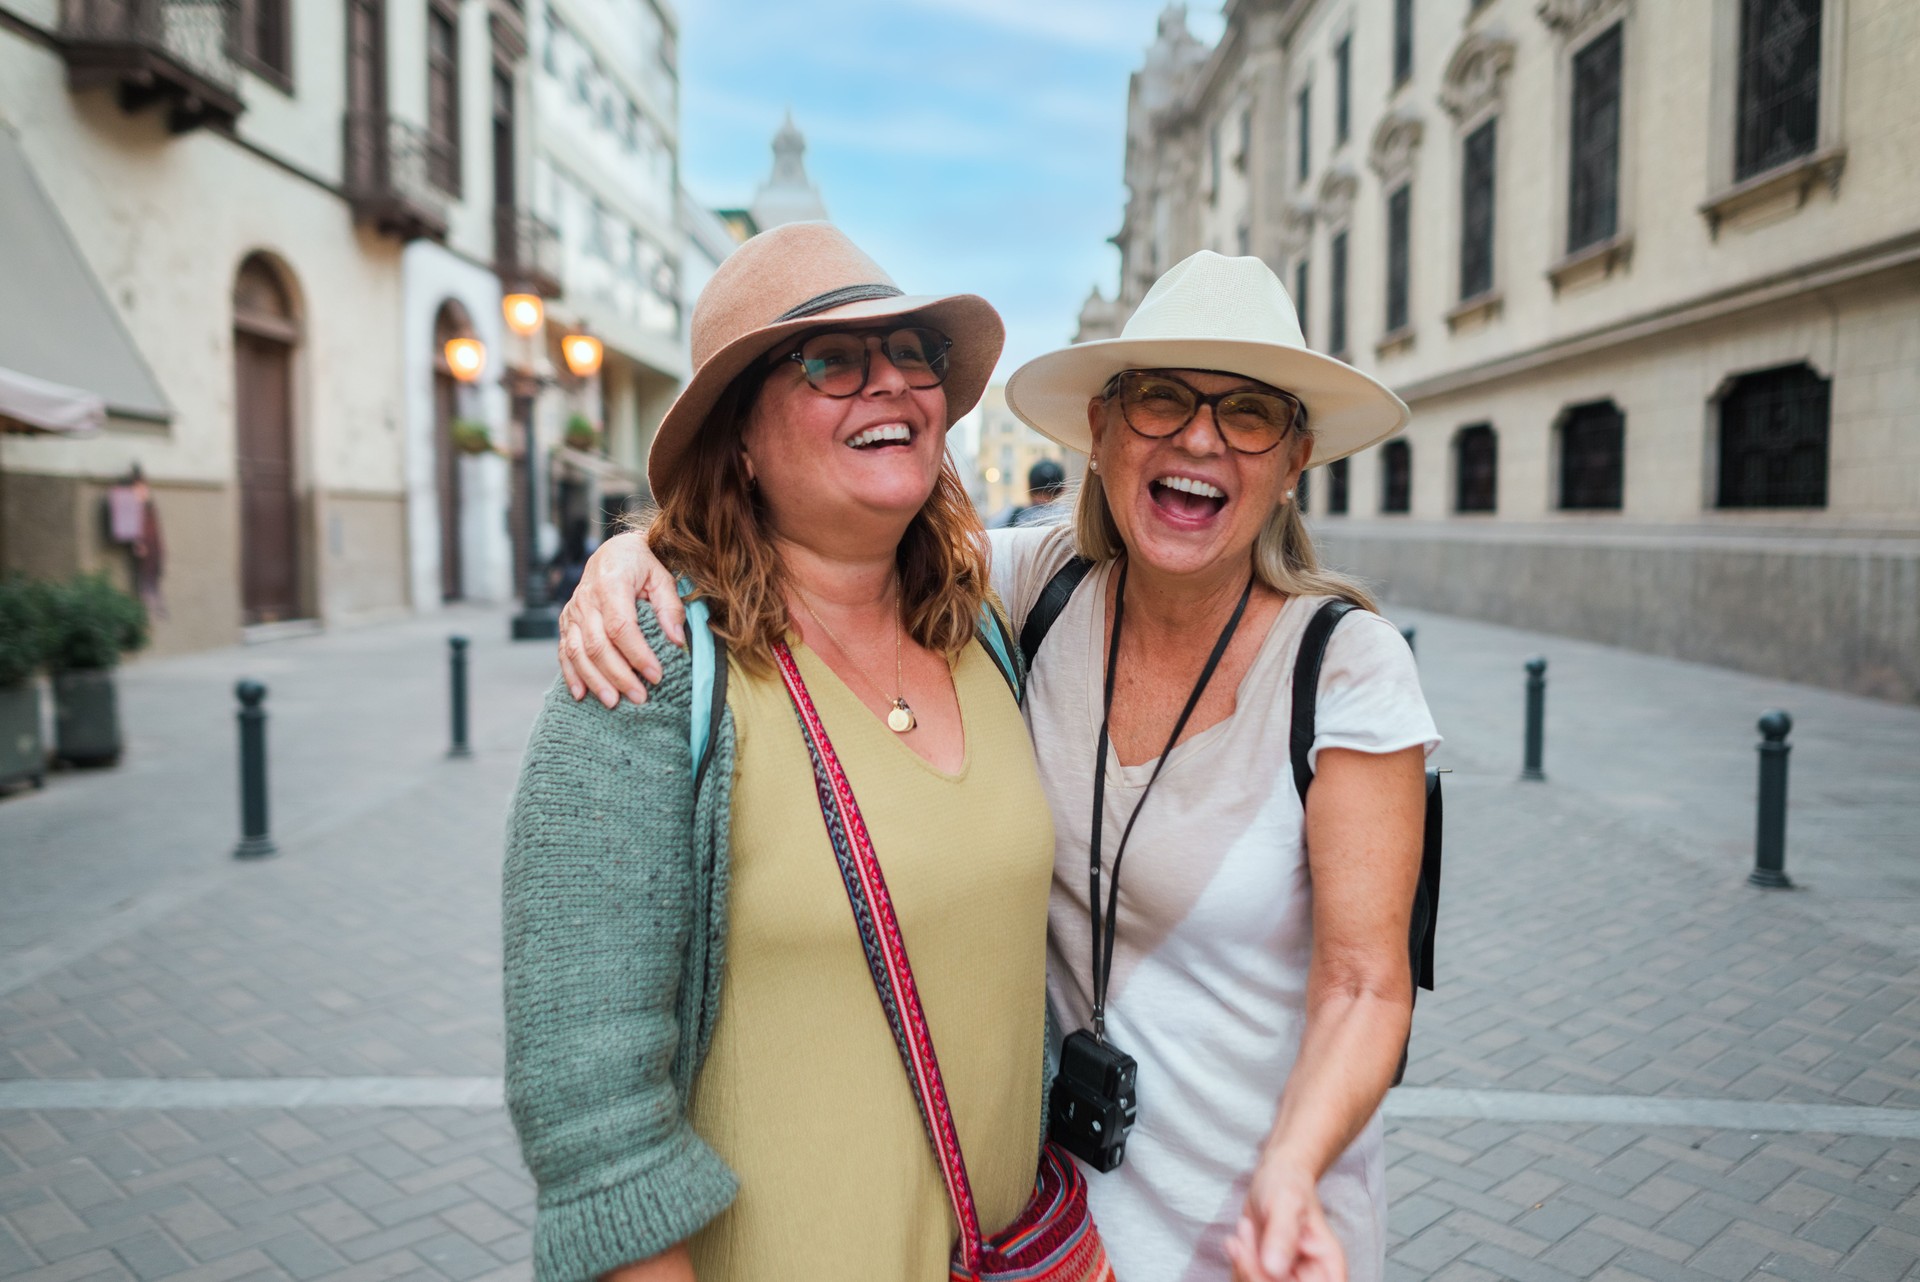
717, 706
1053, 599
1306, 687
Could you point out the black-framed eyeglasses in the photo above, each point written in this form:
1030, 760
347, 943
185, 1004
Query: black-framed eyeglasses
837, 362
1159, 405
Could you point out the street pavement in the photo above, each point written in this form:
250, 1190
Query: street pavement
1635, 1066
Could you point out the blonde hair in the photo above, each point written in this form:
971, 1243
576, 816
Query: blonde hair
1283, 554
712, 527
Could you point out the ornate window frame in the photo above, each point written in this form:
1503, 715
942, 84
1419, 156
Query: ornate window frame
1473, 92
1393, 156
1576, 24
1787, 188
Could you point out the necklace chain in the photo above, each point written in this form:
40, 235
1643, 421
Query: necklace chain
900, 718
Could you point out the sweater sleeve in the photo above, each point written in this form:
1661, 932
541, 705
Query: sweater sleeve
600, 902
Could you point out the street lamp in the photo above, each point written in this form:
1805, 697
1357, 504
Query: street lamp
466, 358
583, 353
524, 313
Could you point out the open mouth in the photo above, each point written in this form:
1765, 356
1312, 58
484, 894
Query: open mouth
881, 436
1186, 498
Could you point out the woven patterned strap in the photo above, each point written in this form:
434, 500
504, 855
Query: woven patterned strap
886, 951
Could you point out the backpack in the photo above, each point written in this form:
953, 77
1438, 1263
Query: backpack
709, 655
1306, 685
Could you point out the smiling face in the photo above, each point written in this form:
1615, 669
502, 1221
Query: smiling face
1188, 503
828, 464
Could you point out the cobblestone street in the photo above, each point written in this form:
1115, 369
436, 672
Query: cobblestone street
1635, 1067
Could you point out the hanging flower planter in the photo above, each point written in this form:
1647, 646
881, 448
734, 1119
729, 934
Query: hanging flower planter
471, 436
582, 434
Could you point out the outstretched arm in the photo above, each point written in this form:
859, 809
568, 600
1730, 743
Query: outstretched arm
1365, 814
601, 647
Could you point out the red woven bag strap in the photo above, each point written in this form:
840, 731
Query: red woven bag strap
886, 951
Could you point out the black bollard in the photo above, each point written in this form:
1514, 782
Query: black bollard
1770, 835
1407, 634
254, 841
1536, 719
457, 666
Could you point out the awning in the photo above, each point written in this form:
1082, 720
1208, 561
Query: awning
58, 329
48, 407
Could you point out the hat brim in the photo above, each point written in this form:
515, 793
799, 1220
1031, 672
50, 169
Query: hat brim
968, 319
1346, 409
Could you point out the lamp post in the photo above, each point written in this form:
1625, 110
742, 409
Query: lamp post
524, 315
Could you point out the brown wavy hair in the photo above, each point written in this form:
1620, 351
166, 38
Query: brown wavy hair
712, 527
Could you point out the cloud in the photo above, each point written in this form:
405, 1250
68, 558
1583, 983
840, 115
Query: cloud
1080, 24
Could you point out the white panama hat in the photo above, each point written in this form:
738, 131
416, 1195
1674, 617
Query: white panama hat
1211, 312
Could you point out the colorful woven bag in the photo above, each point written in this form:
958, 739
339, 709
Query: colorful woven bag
1053, 1239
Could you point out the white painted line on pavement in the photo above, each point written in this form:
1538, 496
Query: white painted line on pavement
1434, 1102
1406, 1103
256, 1092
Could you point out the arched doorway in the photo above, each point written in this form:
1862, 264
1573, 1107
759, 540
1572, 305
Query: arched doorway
264, 335
451, 322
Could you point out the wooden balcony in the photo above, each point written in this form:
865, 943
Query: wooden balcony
389, 178
526, 253
177, 53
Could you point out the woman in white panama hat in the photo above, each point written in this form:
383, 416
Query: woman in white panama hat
702, 1079
1259, 971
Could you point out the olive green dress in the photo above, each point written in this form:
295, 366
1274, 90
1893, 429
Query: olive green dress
803, 1093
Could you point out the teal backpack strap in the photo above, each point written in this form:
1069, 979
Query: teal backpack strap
998, 643
709, 682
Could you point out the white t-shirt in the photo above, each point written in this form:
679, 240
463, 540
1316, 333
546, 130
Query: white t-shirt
1208, 990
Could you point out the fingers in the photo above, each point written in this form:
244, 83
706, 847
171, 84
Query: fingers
663, 594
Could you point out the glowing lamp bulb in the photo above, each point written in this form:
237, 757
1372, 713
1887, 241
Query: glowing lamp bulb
583, 353
523, 312
466, 358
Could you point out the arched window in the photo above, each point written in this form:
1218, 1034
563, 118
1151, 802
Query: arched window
1773, 439
1592, 457
264, 335
1475, 469
1396, 477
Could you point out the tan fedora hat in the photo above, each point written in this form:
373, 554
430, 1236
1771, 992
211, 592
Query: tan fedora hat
1211, 312
796, 277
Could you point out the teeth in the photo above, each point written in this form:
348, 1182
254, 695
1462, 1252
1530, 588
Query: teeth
1191, 486
885, 432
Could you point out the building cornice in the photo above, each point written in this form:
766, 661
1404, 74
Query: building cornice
1844, 268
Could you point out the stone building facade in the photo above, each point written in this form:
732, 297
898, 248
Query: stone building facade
1648, 276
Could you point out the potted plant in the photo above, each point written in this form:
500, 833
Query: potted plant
90, 624
23, 647
471, 436
581, 433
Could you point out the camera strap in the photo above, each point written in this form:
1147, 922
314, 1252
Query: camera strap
1105, 922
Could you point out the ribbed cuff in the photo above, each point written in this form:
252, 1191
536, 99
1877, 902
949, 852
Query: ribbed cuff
583, 1237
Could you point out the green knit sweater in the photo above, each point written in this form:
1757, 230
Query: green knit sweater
615, 924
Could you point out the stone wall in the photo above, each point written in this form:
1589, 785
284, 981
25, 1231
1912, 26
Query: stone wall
1841, 612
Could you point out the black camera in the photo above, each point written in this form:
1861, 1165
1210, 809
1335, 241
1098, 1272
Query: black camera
1092, 1107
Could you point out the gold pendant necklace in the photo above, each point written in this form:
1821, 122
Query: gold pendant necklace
900, 718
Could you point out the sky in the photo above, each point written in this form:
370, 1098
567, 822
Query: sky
969, 146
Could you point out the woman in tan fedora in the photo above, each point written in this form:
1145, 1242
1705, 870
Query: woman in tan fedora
1259, 969
703, 1081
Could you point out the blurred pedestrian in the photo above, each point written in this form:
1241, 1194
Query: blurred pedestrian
1046, 481
1255, 963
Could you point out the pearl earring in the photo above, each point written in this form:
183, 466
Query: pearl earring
1093, 464
1289, 496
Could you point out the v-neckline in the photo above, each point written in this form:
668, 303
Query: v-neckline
898, 742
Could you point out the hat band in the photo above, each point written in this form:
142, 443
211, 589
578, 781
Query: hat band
839, 298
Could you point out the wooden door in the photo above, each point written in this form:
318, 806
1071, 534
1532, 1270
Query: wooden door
269, 507
446, 481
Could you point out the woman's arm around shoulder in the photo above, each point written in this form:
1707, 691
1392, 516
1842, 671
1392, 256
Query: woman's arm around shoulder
601, 898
